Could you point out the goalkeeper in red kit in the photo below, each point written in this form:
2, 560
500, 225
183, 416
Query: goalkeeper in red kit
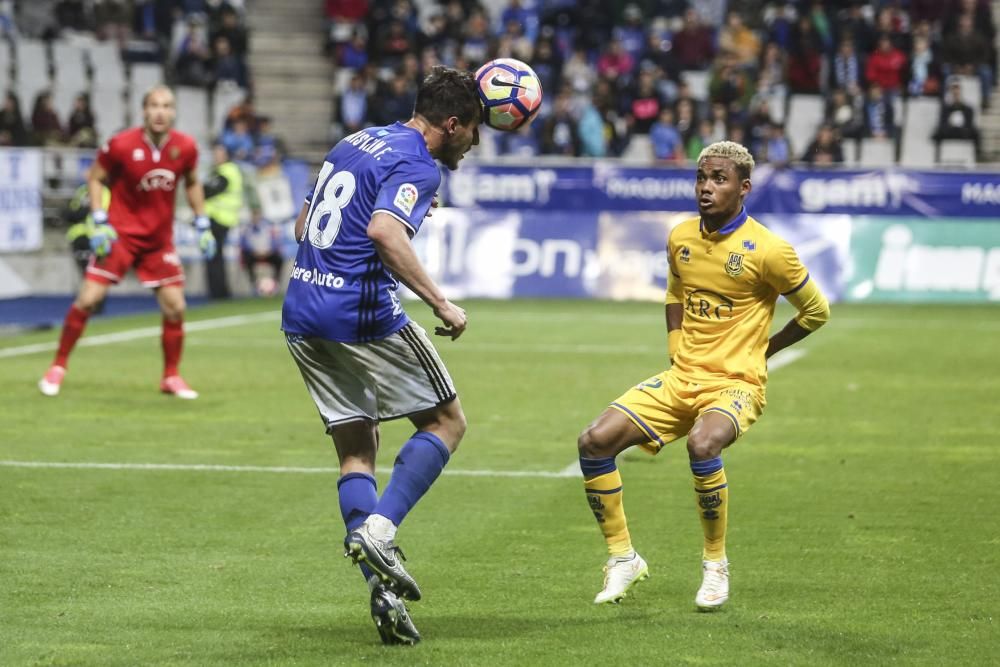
142, 166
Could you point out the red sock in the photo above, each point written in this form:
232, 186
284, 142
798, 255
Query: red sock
173, 341
73, 326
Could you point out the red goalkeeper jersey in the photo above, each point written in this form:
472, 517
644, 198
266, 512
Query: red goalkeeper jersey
144, 179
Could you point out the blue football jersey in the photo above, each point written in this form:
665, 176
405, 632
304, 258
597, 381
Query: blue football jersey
339, 289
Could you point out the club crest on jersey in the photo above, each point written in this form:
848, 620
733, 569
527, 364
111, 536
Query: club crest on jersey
138, 155
734, 266
406, 198
685, 253
158, 179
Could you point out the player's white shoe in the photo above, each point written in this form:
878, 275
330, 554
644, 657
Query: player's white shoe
175, 384
714, 589
620, 574
51, 382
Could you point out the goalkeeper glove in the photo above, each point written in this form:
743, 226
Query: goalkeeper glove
206, 241
101, 234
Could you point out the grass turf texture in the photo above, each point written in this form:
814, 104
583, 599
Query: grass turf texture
862, 525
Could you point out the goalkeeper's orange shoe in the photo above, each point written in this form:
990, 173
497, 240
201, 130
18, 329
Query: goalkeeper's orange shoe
175, 384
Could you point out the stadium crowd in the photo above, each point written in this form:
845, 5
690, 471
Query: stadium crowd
616, 71
199, 42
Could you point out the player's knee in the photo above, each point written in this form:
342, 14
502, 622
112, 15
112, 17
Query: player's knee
458, 425
87, 305
704, 444
590, 445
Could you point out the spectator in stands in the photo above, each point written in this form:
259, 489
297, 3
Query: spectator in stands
80, 126
774, 148
804, 59
227, 67
233, 30
559, 135
923, 71
12, 129
113, 19
591, 132
354, 54
886, 67
846, 69
739, 41
965, 51
476, 41
343, 19
730, 84
548, 65
856, 25
825, 148
577, 73
668, 146
238, 140
523, 142
957, 118
845, 112
392, 42
45, 123
632, 33
694, 43
192, 56
773, 65
780, 20
822, 26
615, 62
353, 107
880, 121
704, 136
687, 118
644, 105
395, 101
268, 150
659, 56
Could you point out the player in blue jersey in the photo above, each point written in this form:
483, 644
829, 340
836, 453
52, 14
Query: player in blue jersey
363, 360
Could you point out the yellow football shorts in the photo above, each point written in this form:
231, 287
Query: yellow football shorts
666, 407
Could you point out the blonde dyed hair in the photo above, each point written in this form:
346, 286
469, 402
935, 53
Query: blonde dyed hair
730, 150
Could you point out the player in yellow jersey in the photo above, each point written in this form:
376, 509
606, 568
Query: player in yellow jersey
726, 272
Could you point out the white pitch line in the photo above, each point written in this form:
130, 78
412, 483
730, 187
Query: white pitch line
197, 467
783, 358
144, 332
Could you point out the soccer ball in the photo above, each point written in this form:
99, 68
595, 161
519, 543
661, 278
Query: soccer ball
510, 92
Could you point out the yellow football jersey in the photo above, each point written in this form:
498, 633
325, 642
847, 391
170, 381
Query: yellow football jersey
728, 282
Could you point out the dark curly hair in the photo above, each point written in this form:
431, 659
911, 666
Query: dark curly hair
447, 92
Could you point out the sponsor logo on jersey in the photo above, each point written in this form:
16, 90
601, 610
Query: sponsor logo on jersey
685, 254
706, 303
406, 198
749, 245
734, 266
158, 179
138, 155
652, 383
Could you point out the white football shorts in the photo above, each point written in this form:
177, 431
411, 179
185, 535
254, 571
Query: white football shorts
385, 379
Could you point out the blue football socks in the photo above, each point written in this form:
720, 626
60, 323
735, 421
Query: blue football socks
418, 464
358, 497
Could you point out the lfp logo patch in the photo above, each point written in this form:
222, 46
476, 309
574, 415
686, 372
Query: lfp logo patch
406, 198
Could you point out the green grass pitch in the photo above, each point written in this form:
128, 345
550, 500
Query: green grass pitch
863, 510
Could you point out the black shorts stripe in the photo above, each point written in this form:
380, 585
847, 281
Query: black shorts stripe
433, 375
431, 358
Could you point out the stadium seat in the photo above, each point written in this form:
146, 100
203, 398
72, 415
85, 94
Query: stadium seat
639, 150
32, 72
110, 111
957, 152
850, 148
192, 113
143, 77
70, 63
917, 144
972, 94
877, 152
224, 98
697, 81
805, 114
106, 63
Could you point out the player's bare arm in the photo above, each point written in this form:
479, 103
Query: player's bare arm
195, 192
97, 179
300, 223
394, 248
813, 312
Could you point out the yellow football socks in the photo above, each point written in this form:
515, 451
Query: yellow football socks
603, 485
712, 493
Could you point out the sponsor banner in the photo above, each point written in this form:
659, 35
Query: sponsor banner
608, 255
604, 187
20, 200
919, 260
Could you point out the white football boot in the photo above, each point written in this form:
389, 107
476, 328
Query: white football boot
714, 589
620, 574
